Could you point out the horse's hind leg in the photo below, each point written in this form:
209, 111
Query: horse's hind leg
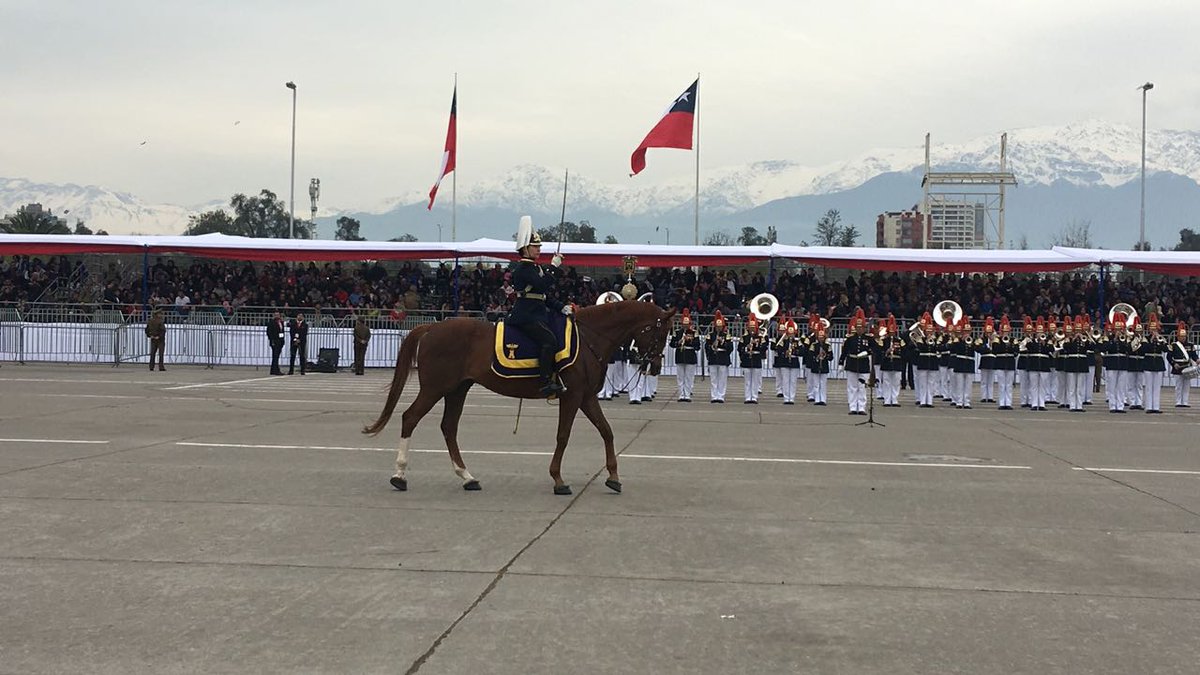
567, 407
450, 416
591, 408
412, 415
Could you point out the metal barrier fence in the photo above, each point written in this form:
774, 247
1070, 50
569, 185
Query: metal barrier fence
91, 334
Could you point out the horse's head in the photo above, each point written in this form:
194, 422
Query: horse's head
652, 338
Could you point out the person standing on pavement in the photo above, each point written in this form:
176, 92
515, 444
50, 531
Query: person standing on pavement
275, 339
298, 329
156, 330
362, 337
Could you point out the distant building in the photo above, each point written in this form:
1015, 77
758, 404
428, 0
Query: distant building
956, 224
901, 229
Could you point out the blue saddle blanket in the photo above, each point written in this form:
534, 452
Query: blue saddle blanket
516, 355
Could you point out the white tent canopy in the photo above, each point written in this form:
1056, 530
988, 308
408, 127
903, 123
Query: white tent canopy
607, 255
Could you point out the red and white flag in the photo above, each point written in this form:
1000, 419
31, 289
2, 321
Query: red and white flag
449, 152
674, 129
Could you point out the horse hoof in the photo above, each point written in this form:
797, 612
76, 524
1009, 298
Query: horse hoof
562, 489
399, 483
614, 485
472, 485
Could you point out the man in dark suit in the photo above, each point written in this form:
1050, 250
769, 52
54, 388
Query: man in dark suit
298, 329
275, 339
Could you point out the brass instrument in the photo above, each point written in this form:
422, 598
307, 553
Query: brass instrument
609, 296
947, 307
764, 306
1124, 308
648, 296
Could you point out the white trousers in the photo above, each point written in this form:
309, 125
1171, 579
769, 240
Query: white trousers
943, 382
856, 392
1076, 388
785, 381
878, 380
963, 386
1026, 389
1091, 379
1154, 383
1004, 384
718, 377
925, 386
889, 383
1037, 395
808, 388
1135, 382
651, 385
1116, 389
816, 386
1182, 390
1050, 385
685, 375
752, 378
986, 379
637, 388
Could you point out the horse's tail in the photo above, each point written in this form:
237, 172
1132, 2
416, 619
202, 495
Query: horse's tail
404, 361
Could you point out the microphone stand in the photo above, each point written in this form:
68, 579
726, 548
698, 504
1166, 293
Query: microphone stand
870, 382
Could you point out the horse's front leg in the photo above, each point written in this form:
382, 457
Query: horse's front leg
567, 407
591, 408
450, 416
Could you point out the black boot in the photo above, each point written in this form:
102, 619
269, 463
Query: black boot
550, 384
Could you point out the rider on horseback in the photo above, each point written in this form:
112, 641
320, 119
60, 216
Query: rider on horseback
531, 312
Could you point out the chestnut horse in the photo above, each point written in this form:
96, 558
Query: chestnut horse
455, 354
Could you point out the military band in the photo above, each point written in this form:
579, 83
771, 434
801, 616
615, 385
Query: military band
1050, 360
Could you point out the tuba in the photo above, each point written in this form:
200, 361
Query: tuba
949, 307
764, 306
648, 296
609, 296
1124, 308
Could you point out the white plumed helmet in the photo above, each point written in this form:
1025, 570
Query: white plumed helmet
526, 235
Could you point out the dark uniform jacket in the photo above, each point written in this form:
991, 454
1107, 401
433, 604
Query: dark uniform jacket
787, 352
820, 356
686, 345
856, 353
1005, 354
1115, 351
1152, 351
752, 356
275, 332
893, 354
963, 352
156, 327
533, 283
298, 331
718, 349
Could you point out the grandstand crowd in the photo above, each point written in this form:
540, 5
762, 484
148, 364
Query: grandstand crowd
378, 290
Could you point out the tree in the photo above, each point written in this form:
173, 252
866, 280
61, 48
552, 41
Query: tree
847, 236
31, 221
1143, 246
718, 238
210, 222
404, 237
347, 230
611, 240
828, 228
1023, 243
772, 234
1189, 240
80, 228
581, 233
1075, 234
751, 237
262, 216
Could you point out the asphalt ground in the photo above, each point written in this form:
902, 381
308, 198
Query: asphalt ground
225, 521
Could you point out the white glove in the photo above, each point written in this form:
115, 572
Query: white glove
568, 310
556, 260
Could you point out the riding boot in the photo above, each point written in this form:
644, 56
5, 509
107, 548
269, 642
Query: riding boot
550, 385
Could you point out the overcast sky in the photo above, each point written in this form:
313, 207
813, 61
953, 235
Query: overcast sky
567, 84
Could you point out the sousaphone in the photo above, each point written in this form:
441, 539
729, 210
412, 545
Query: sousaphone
1126, 309
609, 296
948, 308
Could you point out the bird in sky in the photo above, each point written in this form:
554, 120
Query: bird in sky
142, 143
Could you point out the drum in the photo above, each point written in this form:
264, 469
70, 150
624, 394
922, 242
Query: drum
1190, 372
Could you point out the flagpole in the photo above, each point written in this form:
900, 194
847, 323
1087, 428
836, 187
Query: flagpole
697, 102
454, 178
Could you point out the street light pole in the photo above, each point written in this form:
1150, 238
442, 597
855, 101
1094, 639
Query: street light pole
439, 225
314, 193
1142, 220
292, 182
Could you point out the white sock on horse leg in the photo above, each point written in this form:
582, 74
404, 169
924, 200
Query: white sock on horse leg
462, 473
402, 458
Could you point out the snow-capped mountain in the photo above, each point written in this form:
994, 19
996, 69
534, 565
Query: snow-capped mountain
1090, 160
1091, 153
99, 208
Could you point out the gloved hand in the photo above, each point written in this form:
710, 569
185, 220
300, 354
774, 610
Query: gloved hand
568, 310
557, 260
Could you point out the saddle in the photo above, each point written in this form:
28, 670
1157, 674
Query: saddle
516, 355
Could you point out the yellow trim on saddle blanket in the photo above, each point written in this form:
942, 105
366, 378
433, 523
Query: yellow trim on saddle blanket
503, 359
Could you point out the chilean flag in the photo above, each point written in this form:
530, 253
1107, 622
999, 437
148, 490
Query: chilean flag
449, 152
674, 130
